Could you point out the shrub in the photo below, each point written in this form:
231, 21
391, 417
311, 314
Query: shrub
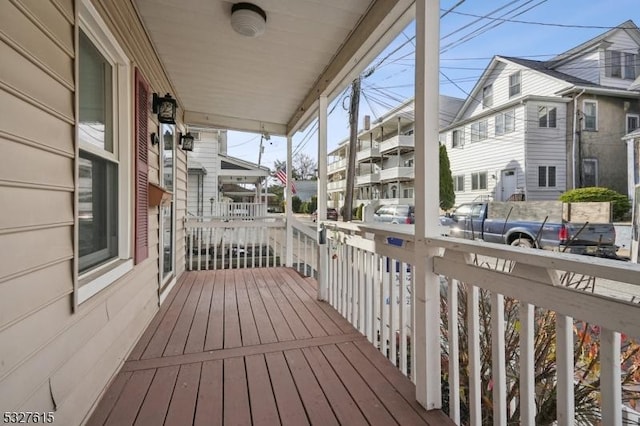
358, 214
620, 204
296, 204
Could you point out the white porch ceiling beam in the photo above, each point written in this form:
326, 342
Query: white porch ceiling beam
380, 25
234, 123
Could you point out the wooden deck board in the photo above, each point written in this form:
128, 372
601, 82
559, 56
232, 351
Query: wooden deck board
255, 347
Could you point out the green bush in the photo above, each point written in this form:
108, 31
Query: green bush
313, 204
358, 214
296, 204
620, 203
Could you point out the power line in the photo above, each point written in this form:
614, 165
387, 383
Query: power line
547, 24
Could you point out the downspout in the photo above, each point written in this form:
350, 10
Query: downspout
573, 144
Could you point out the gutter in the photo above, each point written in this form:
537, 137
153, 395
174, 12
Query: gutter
573, 144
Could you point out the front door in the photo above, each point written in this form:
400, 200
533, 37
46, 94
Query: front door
508, 184
167, 212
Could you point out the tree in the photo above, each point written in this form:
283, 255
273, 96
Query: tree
447, 195
304, 166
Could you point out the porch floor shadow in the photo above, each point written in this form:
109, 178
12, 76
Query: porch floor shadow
254, 346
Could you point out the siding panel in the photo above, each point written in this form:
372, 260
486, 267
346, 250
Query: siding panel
32, 249
34, 82
50, 17
22, 31
20, 118
30, 165
24, 295
23, 208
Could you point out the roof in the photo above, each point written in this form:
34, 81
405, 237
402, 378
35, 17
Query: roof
632, 135
233, 163
545, 68
628, 26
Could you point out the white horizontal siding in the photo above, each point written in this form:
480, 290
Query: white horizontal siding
492, 155
532, 83
546, 147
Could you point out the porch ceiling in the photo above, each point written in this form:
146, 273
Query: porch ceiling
269, 83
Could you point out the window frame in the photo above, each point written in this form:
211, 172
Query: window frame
626, 66
584, 113
458, 183
512, 92
480, 136
596, 168
487, 96
547, 116
544, 172
460, 138
627, 127
477, 176
90, 282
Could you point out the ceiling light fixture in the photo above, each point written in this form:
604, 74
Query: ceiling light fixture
248, 19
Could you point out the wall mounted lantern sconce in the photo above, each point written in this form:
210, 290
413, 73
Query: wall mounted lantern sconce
186, 142
165, 107
154, 139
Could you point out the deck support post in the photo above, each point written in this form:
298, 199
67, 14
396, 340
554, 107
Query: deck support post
323, 255
427, 195
289, 206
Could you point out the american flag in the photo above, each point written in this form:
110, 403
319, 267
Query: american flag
282, 177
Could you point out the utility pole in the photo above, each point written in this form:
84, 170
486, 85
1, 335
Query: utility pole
353, 135
259, 185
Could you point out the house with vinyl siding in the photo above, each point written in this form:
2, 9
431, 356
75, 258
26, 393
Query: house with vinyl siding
534, 129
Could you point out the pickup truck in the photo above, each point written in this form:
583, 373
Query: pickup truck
472, 221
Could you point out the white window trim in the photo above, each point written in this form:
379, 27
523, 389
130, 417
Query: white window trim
519, 73
584, 121
93, 281
595, 161
486, 180
626, 122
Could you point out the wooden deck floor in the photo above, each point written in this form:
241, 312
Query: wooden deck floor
253, 346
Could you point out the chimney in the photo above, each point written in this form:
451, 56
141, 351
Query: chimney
367, 122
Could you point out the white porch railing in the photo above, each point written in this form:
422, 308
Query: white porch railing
305, 249
527, 336
234, 243
229, 210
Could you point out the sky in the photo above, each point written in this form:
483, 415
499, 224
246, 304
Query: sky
471, 33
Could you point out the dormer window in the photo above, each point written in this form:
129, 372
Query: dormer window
620, 65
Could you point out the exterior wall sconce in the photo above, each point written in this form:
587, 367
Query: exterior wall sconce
154, 139
165, 107
186, 142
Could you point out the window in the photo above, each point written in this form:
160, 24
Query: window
457, 138
407, 193
478, 181
633, 122
630, 64
546, 116
479, 131
547, 176
590, 109
167, 180
394, 191
103, 164
408, 162
589, 172
514, 84
505, 122
458, 183
487, 96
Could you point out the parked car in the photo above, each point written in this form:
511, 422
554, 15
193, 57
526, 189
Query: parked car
332, 214
472, 221
395, 213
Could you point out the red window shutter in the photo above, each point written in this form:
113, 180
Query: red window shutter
142, 169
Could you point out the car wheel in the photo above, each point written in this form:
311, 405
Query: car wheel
522, 242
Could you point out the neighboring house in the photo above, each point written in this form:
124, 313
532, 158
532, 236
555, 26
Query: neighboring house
516, 135
216, 177
384, 158
632, 141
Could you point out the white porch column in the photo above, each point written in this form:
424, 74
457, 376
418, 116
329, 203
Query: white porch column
427, 195
289, 209
323, 256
